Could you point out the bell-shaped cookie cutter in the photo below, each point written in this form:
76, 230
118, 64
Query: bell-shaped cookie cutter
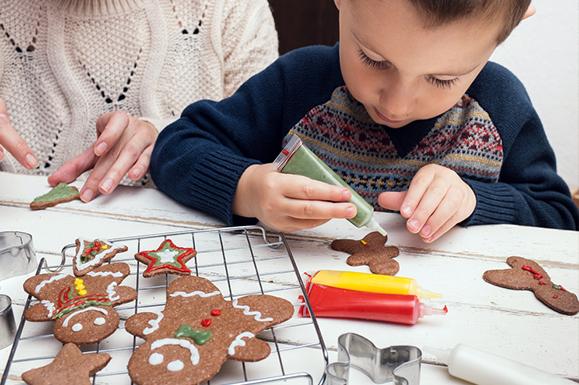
399, 365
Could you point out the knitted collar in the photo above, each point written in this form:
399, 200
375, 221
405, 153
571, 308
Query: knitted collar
99, 7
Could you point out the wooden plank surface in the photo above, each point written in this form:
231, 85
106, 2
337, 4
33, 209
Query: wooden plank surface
493, 319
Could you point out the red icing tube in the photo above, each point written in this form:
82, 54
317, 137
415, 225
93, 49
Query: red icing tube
333, 302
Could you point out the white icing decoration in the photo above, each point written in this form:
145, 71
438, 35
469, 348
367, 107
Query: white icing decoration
49, 307
247, 311
65, 323
178, 342
98, 258
201, 294
175, 366
99, 321
153, 324
49, 280
112, 292
116, 274
239, 342
76, 327
167, 256
156, 359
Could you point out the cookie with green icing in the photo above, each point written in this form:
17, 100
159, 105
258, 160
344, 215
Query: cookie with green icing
189, 341
60, 194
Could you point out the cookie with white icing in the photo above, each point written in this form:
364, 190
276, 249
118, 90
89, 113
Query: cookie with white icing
82, 308
198, 331
91, 254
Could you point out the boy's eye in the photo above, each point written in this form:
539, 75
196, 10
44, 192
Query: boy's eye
442, 83
371, 62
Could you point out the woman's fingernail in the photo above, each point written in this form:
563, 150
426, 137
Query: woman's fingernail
87, 195
136, 172
101, 148
31, 161
413, 225
107, 185
406, 210
425, 231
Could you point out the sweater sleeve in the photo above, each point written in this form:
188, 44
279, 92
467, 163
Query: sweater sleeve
199, 159
529, 191
249, 41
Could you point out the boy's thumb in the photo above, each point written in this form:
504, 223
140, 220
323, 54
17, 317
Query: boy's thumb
391, 200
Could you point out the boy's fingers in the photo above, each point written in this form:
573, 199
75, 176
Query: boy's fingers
443, 229
305, 188
416, 190
446, 209
291, 225
316, 210
140, 168
1, 153
14, 144
391, 200
428, 204
73, 168
111, 127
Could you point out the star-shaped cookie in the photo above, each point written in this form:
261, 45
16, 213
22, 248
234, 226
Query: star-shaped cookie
371, 251
167, 258
69, 367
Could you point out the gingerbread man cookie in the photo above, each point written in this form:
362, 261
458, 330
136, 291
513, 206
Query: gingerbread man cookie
198, 331
82, 307
526, 274
70, 367
92, 254
168, 258
371, 251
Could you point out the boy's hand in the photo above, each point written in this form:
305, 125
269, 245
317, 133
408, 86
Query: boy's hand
435, 202
289, 202
12, 142
123, 147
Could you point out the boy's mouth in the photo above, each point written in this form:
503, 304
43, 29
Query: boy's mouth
388, 121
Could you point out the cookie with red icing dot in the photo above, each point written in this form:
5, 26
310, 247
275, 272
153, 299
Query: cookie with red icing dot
526, 274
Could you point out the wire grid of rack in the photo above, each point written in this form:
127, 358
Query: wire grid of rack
239, 261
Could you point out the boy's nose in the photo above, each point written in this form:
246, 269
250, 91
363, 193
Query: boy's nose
396, 102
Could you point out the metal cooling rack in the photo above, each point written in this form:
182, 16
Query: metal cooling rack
240, 261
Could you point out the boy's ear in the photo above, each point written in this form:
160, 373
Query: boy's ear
338, 3
530, 11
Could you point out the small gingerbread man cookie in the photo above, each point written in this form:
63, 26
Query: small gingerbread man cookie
526, 274
82, 307
198, 331
69, 367
371, 251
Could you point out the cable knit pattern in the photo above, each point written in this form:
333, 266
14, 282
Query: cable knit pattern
63, 63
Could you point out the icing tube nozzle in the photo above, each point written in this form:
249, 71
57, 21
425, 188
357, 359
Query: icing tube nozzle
375, 226
429, 310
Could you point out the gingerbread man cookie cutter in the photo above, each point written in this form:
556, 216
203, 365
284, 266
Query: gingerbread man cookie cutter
399, 365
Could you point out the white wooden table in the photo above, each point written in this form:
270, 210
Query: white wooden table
510, 323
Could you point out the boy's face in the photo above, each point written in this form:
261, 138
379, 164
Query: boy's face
402, 71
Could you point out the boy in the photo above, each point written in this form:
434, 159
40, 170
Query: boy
407, 110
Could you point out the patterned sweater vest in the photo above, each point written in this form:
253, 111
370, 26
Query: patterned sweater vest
344, 136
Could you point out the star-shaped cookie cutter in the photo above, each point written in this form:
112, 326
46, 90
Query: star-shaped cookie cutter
399, 365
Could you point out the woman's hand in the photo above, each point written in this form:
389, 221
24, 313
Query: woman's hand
12, 142
123, 147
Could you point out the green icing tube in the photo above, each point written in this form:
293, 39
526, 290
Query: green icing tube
297, 159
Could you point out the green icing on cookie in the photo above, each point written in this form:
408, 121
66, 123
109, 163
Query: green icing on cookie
62, 191
199, 336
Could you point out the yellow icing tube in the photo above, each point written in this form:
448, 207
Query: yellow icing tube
372, 283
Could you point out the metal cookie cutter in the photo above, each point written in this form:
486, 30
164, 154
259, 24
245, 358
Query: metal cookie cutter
397, 364
16, 254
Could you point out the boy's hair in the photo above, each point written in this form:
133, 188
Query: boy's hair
439, 12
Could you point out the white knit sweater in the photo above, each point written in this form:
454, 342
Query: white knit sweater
63, 63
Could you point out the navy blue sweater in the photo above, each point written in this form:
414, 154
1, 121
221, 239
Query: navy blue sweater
199, 159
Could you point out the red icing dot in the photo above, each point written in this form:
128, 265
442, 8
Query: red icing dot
216, 312
206, 323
